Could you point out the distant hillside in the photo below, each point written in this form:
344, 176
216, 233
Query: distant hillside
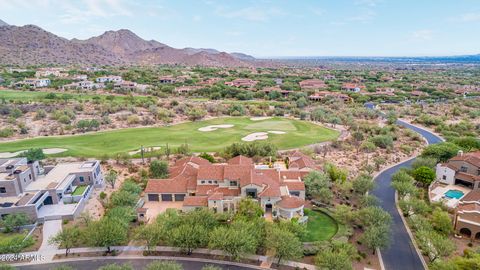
2, 23
31, 45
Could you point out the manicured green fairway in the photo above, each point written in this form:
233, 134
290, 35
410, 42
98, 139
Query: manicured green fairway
320, 226
298, 134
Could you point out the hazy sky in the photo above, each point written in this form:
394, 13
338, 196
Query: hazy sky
269, 27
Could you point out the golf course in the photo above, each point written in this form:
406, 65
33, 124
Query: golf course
209, 136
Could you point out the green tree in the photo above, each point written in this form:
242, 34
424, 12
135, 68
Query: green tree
363, 183
427, 162
441, 151
207, 157
114, 266
442, 222
152, 234
424, 175
106, 233
284, 244
189, 237
377, 236
14, 221
34, 154
315, 183
434, 244
66, 238
111, 178
211, 267
164, 265
158, 169
235, 241
373, 216
248, 209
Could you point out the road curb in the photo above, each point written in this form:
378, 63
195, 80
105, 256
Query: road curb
410, 234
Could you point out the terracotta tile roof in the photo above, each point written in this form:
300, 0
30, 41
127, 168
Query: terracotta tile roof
210, 172
473, 195
292, 175
472, 158
193, 160
469, 207
240, 173
301, 161
229, 192
294, 185
215, 197
467, 177
205, 189
240, 160
291, 202
195, 201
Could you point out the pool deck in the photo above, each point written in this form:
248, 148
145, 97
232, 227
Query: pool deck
437, 194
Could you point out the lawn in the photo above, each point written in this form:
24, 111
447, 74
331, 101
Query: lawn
298, 134
79, 190
320, 226
8, 240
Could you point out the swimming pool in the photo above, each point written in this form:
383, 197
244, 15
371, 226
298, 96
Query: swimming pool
454, 194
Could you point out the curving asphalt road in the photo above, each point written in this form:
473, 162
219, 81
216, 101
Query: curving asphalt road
401, 254
135, 263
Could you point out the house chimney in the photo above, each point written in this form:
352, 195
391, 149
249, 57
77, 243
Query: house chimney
460, 153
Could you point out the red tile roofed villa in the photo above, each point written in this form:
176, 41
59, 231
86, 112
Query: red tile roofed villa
353, 87
312, 84
463, 171
198, 183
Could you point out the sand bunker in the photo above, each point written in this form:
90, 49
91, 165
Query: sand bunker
260, 118
146, 150
47, 151
214, 127
260, 135
52, 151
255, 137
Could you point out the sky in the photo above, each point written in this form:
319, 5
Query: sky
269, 28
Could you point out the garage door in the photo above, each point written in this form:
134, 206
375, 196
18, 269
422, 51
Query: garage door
153, 198
179, 197
167, 197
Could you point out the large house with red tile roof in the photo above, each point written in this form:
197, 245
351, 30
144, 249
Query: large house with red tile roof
198, 183
463, 169
312, 84
353, 87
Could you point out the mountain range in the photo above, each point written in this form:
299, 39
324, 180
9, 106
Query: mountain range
32, 45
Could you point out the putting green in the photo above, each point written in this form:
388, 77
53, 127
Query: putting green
298, 134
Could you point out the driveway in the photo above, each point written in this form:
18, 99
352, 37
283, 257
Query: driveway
401, 254
156, 208
50, 228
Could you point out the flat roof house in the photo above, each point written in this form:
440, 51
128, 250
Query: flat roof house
46, 193
195, 182
34, 82
105, 79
